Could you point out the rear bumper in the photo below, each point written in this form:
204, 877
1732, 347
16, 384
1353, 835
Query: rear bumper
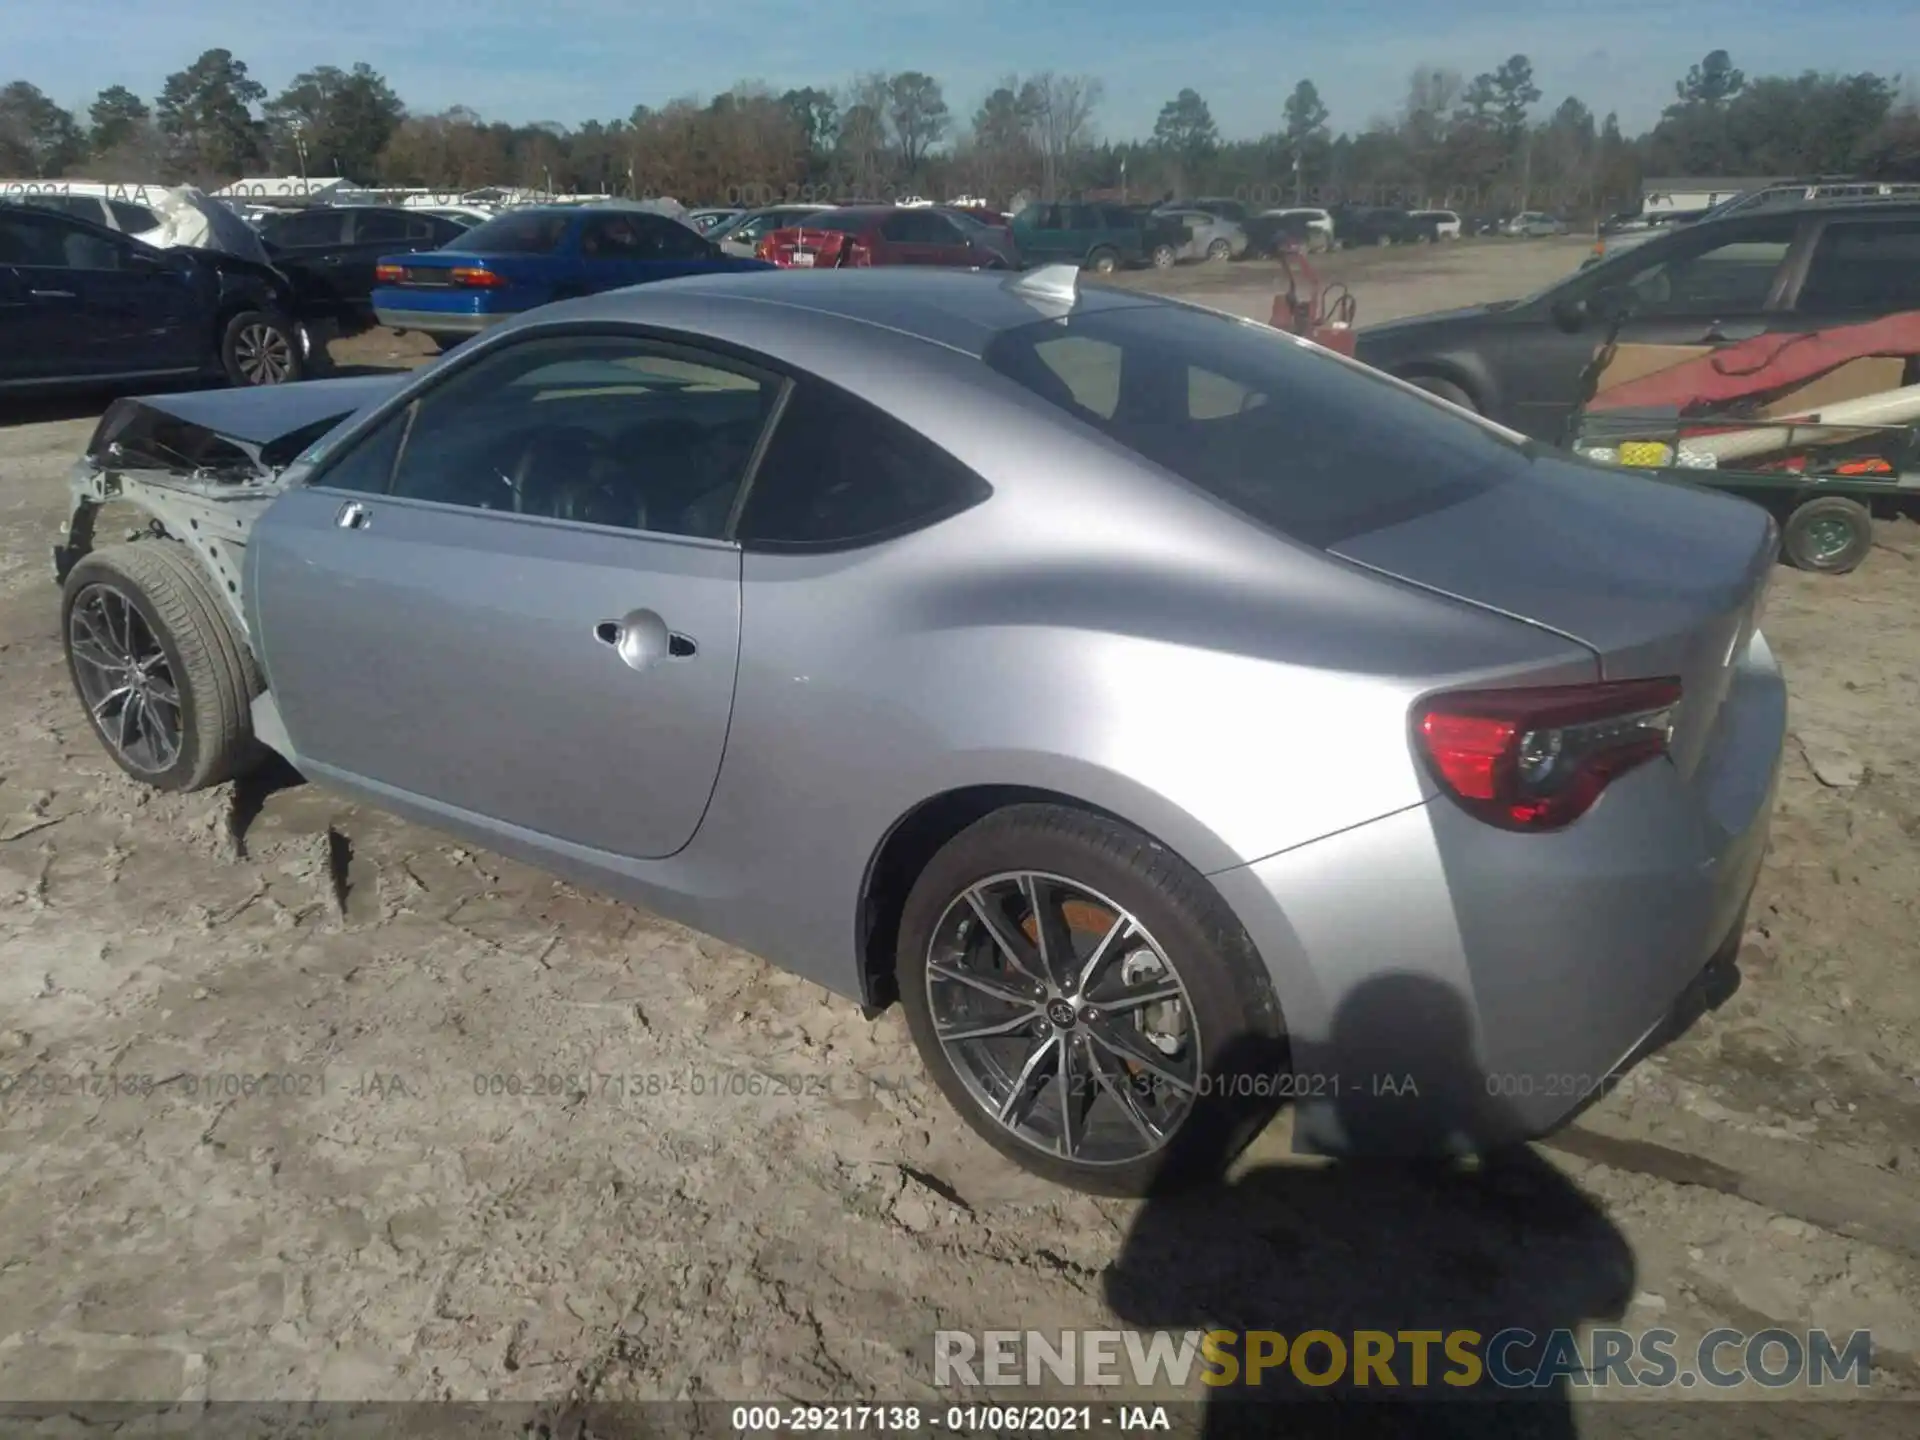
437, 322
1452, 987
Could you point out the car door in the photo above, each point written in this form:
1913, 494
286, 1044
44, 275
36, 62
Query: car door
104, 305
38, 340
1695, 288
509, 601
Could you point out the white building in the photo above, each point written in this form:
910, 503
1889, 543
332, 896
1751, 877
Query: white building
1661, 196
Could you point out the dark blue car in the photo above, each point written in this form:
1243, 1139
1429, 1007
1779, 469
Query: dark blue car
529, 257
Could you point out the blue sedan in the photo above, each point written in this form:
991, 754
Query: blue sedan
529, 257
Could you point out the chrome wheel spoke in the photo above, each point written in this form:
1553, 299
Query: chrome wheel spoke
105, 702
1128, 1104
989, 1028
1137, 997
1052, 936
1118, 1043
1103, 952
1033, 1077
1011, 943
985, 985
1078, 1077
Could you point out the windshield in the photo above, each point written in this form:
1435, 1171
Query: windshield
1298, 440
526, 233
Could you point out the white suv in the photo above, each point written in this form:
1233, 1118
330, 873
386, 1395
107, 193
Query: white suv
1446, 224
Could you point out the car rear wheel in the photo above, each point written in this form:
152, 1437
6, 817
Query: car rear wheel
1220, 250
1165, 257
166, 681
1103, 261
259, 348
1083, 997
1830, 535
1445, 389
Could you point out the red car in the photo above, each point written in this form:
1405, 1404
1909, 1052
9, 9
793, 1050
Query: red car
854, 235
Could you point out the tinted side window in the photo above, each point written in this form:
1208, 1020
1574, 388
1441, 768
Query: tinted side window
673, 241
1305, 444
82, 249
132, 218
1712, 278
371, 226
840, 472
312, 227
1865, 266
601, 429
31, 240
367, 466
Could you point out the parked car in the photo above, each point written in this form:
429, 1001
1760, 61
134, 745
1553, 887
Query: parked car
706, 221
1103, 238
528, 257
1612, 241
991, 229
742, 236
1446, 224
860, 235
1076, 667
1224, 206
122, 215
1209, 236
1307, 226
1520, 361
1536, 224
1379, 225
83, 305
330, 252
465, 216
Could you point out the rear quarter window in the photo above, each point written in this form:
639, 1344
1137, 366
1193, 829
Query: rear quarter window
1294, 439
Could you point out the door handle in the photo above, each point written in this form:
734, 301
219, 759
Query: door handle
353, 516
1723, 333
641, 638
52, 294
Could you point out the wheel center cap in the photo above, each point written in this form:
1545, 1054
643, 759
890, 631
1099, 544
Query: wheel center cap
1062, 1014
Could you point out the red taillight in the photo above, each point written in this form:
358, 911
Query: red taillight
1538, 758
389, 274
474, 277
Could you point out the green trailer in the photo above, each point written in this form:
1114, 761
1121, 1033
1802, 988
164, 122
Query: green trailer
1824, 483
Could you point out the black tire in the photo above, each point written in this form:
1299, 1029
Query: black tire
212, 672
1445, 389
1164, 257
1220, 250
261, 348
1230, 997
1829, 535
1104, 261
1383, 240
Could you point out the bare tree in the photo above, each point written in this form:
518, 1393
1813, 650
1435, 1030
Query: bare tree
1062, 108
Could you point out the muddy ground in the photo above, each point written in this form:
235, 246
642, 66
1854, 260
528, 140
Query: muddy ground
380, 1224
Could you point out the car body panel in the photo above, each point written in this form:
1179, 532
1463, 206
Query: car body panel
533, 279
87, 305
334, 273
1242, 697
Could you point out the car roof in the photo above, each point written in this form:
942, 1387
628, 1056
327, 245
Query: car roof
954, 309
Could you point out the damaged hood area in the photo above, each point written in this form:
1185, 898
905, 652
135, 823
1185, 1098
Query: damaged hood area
245, 434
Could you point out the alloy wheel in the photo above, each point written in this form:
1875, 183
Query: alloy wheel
1064, 1018
125, 679
263, 354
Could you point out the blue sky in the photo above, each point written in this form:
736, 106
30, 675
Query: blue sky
573, 60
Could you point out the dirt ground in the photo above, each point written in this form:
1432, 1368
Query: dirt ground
382, 1223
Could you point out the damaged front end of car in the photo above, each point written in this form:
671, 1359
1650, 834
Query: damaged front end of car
200, 467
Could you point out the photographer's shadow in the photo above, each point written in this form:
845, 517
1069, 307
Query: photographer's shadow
1419, 1244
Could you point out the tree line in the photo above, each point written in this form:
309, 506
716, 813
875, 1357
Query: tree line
1473, 143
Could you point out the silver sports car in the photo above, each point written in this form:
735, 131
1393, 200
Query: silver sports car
1178, 720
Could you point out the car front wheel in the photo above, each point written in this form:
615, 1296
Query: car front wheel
258, 348
1088, 1003
166, 681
